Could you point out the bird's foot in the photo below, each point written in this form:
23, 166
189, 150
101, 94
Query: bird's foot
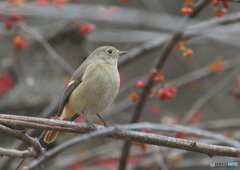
104, 122
90, 126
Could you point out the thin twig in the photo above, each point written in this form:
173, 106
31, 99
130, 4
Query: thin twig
220, 124
20, 163
208, 95
47, 47
23, 137
191, 32
71, 142
184, 129
16, 153
46, 113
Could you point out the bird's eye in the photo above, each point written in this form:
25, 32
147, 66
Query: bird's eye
109, 51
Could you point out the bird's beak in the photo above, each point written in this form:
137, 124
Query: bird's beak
122, 52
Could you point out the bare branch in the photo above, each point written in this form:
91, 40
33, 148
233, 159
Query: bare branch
52, 108
16, 153
116, 133
191, 31
66, 126
150, 83
74, 141
24, 137
185, 129
220, 124
207, 96
47, 47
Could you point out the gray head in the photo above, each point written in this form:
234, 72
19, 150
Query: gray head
106, 54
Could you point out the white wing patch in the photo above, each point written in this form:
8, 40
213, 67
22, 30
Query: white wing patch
71, 82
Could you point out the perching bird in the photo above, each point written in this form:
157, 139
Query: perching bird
93, 87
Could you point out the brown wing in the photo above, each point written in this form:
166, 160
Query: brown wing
76, 79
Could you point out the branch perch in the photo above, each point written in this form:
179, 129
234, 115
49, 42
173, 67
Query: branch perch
116, 133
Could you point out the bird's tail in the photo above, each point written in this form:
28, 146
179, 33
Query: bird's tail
50, 136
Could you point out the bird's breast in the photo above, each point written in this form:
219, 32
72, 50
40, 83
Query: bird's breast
98, 90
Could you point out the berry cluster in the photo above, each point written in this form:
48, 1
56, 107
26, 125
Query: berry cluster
165, 93
162, 93
187, 8
157, 76
11, 20
220, 7
186, 52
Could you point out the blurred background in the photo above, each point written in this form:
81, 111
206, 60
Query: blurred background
44, 41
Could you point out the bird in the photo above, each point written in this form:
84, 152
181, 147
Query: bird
92, 88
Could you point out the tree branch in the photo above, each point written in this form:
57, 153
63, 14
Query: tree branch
23, 137
69, 143
115, 133
16, 153
46, 113
150, 83
47, 47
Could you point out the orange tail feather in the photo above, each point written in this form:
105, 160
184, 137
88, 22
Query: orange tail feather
50, 136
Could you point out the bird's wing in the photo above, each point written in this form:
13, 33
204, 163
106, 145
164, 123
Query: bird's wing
75, 81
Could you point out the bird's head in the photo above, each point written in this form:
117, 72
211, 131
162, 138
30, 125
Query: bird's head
107, 54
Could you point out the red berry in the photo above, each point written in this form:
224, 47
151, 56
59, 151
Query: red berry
188, 52
133, 97
86, 28
3, 87
172, 90
20, 42
16, 17
42, 2
225, 4
159, 79
166, 94
8, 23
7, 80
154, 108
196, 117
215, 2
180, 135
145, 130
219, 13
140, 84
186, 10
152, 74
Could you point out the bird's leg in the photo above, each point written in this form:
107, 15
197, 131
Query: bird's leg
88, 123
104, 122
